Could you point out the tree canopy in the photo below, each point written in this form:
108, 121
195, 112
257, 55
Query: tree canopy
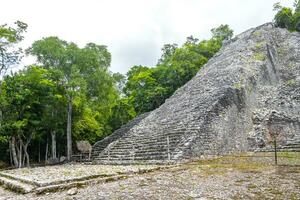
288, 18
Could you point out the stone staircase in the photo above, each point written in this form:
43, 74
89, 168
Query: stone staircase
141, 149
102, 144
16, 185
292, 145
166, 139
162, 147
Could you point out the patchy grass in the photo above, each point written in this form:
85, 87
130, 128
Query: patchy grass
248, 163
243, 176
233, 160
284, 158
275, 192
252, 186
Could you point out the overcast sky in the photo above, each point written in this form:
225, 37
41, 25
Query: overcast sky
133, 30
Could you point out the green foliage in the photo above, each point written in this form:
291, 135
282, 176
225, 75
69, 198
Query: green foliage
223, 32
167, 51
287, 17
284, 18
35, 100
122, 112
148, 88
87, 127
9, 36
88, 84
24, 100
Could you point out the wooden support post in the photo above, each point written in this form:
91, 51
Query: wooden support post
168, 144
275, 145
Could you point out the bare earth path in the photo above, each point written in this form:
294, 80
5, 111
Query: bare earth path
224, 178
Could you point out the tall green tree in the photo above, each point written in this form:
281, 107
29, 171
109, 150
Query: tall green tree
9, 54
24, 99
84, 75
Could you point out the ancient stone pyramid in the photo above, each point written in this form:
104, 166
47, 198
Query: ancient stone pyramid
224, 109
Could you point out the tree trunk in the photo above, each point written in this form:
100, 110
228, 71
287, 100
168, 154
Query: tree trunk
26, 155
25, 147
17, 150
20, 153
24, 158
39, 152
53, 144
14, 153
10, 153
69, 129
46, 152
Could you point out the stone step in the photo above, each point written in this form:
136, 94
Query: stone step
137, 153
121, 132
150, 138
159, 147
126, 157
280, 150
141, 148
290, 146
16, 185
135, 162
144, 144
150, 151
146, 141
141, 154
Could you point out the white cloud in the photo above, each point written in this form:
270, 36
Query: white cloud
133, 30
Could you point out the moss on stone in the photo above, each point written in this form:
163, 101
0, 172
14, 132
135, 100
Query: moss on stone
282, 51
259, 56
259, 45
237, 85
291, 65
291, 82
257, 33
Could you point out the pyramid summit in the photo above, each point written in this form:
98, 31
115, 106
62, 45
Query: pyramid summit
254, 80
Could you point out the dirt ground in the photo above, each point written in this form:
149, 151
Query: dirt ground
242, 177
